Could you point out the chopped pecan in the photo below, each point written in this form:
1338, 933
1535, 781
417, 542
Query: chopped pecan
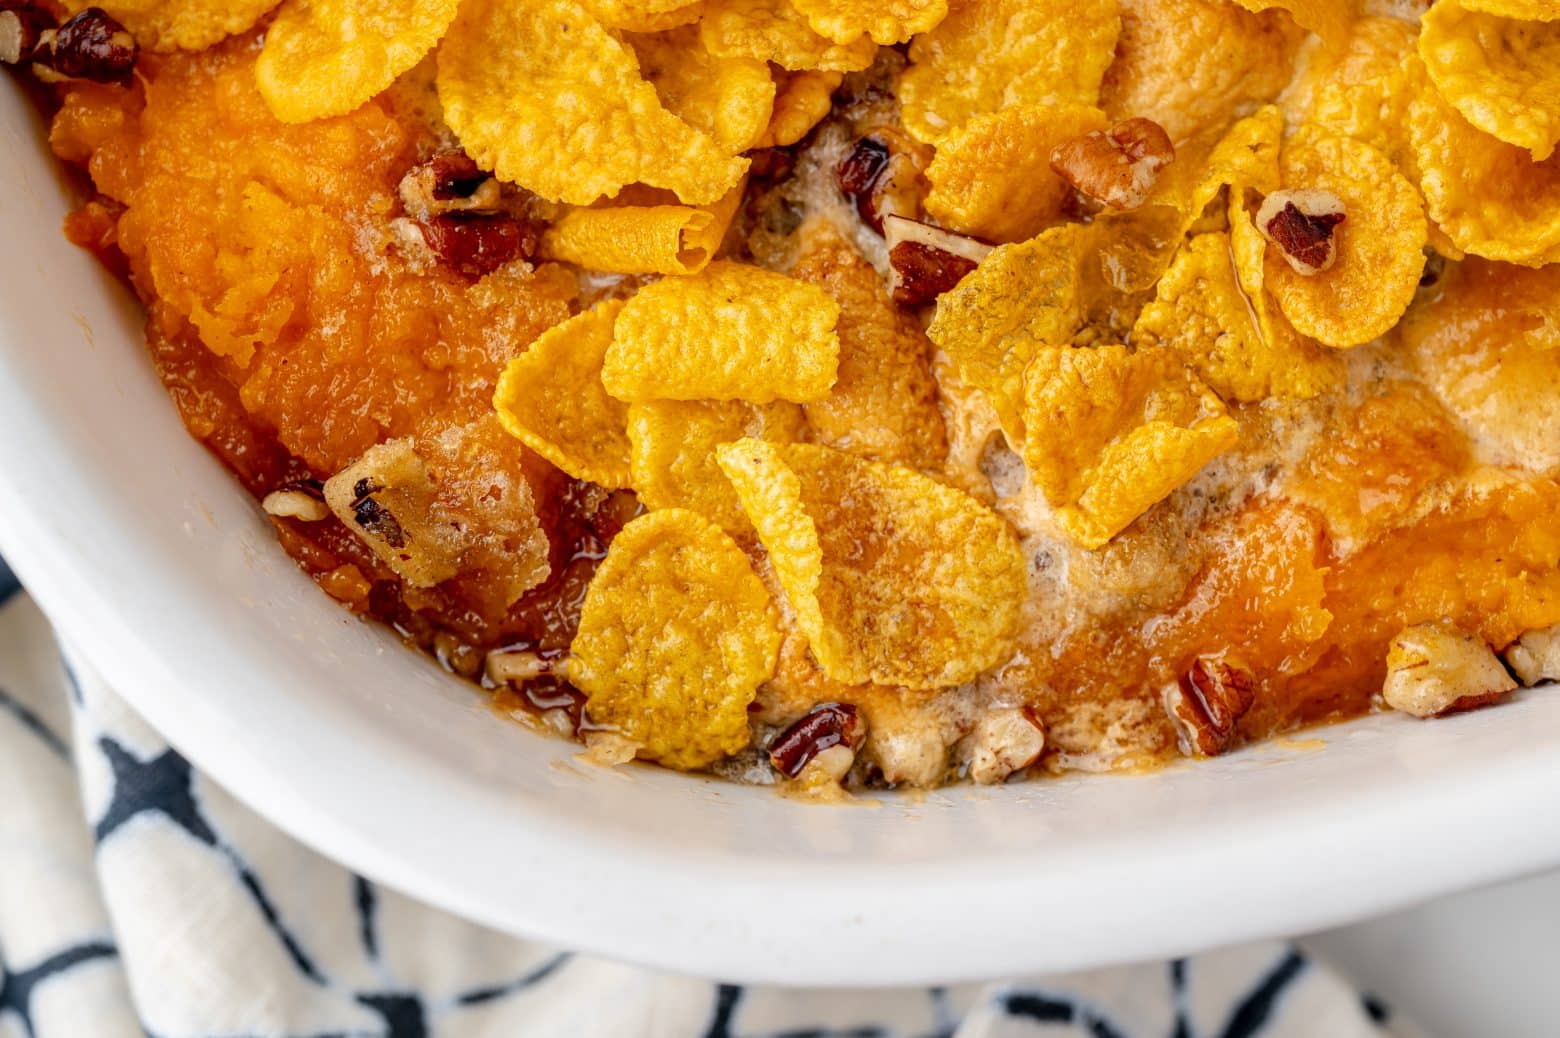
880, 179
927, 261
1206, 703
447, 183
1303, 224
90, 45
1535, 657
1005, 741
521, 665
1118, 166
471, 244
1433, 670
825, 726
302, 499
22, 25
377, 520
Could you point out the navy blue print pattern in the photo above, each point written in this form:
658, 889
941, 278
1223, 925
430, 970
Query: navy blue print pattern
338, 956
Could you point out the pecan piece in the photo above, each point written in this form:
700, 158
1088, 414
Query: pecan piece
1118, 166
521, 665
1206, 702
1005, 741
1303, 223
927, 261
449, 182
1535, 657
826, 726
1433, 671
22, 26
302, 499
471, 244
90, 45
880, 179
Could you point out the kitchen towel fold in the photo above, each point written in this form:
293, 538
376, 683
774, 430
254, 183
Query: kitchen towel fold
139, 898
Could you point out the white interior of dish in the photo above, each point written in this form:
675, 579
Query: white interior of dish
165, 574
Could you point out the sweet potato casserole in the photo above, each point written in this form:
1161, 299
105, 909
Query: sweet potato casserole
861, 394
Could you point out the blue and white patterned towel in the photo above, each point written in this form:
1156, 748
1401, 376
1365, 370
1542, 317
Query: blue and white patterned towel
138, 898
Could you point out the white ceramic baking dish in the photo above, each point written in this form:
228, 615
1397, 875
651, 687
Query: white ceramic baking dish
151, 560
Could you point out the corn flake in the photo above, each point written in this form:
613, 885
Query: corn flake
885, 21
1530, 10
894, 577
992, 177
1490, 198
1193, 66
1203, 312
1112, 432
802, 101
632, 239
731, 99
1380, 248
989, 54
675, 636
1502, 74
1360, 89
328, 57
884, 402
733, 332
542, 94
1329, 19
1021, 299
551, 399
168, 25
673, 452
774, 30
645, 15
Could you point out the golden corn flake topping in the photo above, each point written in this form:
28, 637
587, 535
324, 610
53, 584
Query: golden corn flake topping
1501, 73
167, 25
779, 388
733, 332
895, 578
547, 97
676, 634
994, 53
1112, 431
551, 399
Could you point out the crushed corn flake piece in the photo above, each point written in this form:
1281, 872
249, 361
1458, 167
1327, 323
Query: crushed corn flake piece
885, 21
328, 57
989, 54
992, 177
1490, 198
1193, 66
1019, 300
675, 636
1533, 10
673, 452
884, 402
1379, 250
1111, 432
731, 99
168, 25
802, 101
894, 577
1203, 312
774, 30
645, 15
1329, 19
732, 332
546, 97
551, 399
632, 239
1357, 90
1502, 74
